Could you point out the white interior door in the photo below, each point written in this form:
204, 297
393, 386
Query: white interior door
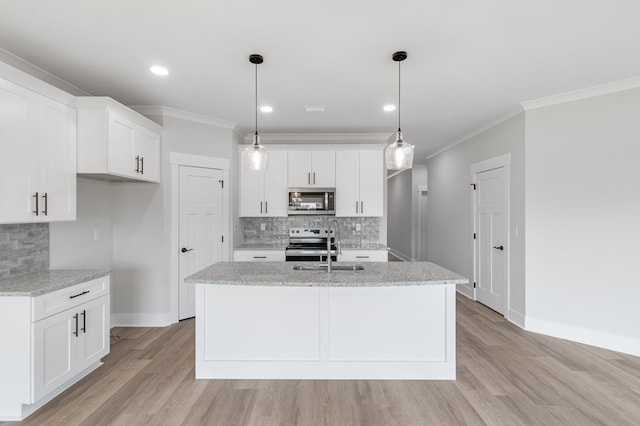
200, 232
491, 238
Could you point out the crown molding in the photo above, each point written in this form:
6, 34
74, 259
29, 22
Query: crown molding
589, 92
310, 138
184, 115
475, 133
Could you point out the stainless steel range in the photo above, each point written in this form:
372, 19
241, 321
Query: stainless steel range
310, 244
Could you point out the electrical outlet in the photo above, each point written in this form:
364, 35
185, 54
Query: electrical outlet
263, 226
358, 227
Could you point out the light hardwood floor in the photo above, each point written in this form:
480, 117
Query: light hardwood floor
506, 376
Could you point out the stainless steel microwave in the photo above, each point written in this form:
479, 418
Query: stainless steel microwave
312, 201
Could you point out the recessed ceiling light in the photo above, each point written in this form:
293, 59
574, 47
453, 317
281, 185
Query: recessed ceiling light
266, 108
389, 108
315, 108
158, 70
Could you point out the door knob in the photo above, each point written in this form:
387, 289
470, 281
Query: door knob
184, 249
497, 248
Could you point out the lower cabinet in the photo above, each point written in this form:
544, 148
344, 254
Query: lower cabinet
67, 343
363, 256
258, 256
52, 341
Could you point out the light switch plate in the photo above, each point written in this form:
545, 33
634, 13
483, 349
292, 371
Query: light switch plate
263, 226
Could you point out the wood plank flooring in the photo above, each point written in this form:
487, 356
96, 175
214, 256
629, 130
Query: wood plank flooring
506, 376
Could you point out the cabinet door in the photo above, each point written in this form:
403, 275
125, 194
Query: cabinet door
56, 161
93, 339
18, 153
120, 141
54, 351
251, 189
276, 194
299, 167
347, 199
371, 183
147, 148
323, 173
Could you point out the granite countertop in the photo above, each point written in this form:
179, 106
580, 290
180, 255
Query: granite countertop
37, 283
282, 246
375, 274
261, 246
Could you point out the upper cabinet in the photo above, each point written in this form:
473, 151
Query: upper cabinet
115, 142
308, 169
264, 193
360, 182
37, 157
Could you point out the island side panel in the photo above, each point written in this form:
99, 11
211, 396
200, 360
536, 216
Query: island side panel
354, 331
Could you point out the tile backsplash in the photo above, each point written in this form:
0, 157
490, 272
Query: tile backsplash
277, 228
23, 248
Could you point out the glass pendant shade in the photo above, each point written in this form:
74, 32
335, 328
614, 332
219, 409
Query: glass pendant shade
256, 156
399, 154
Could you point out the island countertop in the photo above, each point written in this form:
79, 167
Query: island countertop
375, 274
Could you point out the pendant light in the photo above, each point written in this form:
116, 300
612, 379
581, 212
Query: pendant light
256, 155
399, 154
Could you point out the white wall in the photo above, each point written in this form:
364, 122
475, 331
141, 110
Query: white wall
399, 214
449, 212
583, 220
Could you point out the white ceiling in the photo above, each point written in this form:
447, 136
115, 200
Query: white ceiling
470, 63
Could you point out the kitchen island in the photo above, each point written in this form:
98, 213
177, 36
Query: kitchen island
391, 320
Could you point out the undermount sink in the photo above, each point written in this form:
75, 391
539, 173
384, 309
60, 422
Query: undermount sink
355, 267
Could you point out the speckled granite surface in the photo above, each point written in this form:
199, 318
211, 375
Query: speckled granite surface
363, 246
375, 274
37, 283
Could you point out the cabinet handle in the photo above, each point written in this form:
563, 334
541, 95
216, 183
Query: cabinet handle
309, 178
259, 257
84, 321
356, 207
142, 165
75, 333
79, 294
45, 198
362, 257
260, 207
137, 164
36, 211
361, 207
314, 178
266, 207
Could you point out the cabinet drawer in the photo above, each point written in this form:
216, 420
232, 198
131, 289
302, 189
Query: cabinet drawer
66, 298
363, 256
258, 256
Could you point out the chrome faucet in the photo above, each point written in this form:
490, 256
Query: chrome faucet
336, 239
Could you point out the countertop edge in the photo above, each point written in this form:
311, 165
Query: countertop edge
44, 283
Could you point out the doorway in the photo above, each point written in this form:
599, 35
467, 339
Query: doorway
490, 180
200, 222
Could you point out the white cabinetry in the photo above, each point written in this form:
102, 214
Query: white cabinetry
258, 256
37, 157
264, 193
359, 183
115, 142
309, 169
56, 339
363, 256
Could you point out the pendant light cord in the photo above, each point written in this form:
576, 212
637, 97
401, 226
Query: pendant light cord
256, 99
399, 96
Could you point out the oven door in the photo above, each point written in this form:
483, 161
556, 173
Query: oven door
309, 255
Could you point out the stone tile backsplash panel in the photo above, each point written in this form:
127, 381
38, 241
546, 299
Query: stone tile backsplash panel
24, 248
277, 228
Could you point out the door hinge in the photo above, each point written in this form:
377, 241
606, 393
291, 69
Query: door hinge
222, 237
221, 183
474, 235
474, 186
474, 284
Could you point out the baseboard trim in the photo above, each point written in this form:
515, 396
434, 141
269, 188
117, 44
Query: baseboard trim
142, 320
516, 318
465, 291
399, 255
582, 335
